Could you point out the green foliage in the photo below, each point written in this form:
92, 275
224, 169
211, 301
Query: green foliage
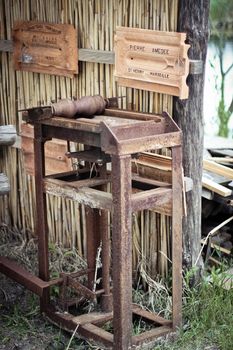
221, 14
224, 115
220, 10
208, 316
22, 323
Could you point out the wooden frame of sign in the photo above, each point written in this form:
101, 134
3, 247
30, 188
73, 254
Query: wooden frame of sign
152, 60
45, 48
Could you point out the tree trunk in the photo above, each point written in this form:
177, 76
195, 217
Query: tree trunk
4, 185
193, 19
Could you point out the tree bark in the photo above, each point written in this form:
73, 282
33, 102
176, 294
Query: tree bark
4, 185
193, 19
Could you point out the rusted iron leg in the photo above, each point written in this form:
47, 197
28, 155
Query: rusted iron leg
177, 211
41, 215
93, 242
106, 299
122, 252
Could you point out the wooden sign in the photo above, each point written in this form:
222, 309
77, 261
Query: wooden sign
152, 60
45, 48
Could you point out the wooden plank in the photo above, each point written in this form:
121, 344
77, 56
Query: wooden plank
87, 196
6, 45
100, 56
219, 179
215, 187
45, 48
218, 169
93, 317
76, 124
156, 160
164, 208
226, 160
77, 184
217, 247
151, 182
4, 185
151, 198
7, 135
151, 172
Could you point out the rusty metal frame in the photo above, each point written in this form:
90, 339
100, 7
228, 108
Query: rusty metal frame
120, 143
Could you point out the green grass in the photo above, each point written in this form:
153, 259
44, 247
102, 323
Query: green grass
207, 311
208, 317
23, 326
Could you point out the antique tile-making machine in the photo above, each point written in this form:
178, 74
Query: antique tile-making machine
112, 137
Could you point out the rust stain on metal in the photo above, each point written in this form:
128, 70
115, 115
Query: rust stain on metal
119, 143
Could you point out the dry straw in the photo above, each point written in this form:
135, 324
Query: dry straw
96, 22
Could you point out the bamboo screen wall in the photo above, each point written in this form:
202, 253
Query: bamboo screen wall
96, 21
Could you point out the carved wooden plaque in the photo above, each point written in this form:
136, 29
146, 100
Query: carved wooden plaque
152, 60
45, 48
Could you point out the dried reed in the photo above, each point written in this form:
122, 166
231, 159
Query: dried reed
96, 21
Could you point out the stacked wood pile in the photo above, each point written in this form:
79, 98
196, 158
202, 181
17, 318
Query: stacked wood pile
217, 191
217, 194
96, 21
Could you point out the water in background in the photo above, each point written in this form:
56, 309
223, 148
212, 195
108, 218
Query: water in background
211, 93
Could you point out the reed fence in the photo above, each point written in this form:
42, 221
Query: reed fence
96, 21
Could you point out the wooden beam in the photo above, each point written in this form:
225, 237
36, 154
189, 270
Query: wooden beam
218, 168
217, 247
87, 196
92, 317
215, 187
100, 56
151, 198
222, 160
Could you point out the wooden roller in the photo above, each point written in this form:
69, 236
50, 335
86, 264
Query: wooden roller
86, 106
